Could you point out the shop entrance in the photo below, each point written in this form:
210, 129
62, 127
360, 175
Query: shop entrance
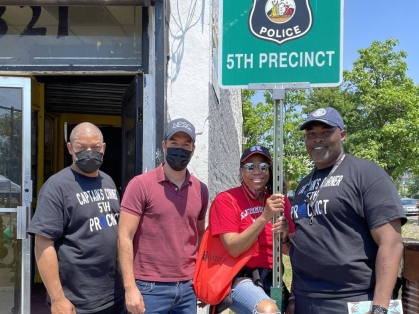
52, 106
113, 103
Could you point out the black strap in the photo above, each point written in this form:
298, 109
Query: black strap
256, 278
257, 275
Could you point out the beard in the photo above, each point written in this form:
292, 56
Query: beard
325, 157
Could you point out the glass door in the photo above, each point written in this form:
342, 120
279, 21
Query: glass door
15, 194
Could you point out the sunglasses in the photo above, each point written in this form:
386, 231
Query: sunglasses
250, 166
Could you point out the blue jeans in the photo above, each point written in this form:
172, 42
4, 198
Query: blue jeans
246, 297
168, 297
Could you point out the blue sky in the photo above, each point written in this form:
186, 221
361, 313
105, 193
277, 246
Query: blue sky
369, 20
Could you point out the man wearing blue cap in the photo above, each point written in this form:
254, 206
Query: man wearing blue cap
347, 244
162, 219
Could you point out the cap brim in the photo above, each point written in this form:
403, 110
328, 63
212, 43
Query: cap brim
173, 133
304, 125
254, 153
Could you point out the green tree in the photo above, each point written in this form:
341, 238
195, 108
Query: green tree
379, 105
413, 188
258, 121
377, 101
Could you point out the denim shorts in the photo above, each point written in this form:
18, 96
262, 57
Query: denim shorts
246, 297
168, 297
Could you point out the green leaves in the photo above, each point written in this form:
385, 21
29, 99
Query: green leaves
379, 105
385, 121
258, 121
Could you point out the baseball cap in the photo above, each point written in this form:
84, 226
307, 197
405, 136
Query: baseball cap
180, 125
257, 149
328, 116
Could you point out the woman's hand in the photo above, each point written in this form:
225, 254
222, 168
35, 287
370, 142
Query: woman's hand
281, 225
275, 204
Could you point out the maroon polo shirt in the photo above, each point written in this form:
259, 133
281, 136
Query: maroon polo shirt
166, 241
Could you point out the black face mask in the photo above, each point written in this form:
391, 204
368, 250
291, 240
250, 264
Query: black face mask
178, 158
89, 161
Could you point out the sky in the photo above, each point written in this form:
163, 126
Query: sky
369, 20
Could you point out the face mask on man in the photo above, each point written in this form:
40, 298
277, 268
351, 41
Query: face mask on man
178, 158
89, 161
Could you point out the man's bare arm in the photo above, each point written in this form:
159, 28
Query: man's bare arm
127, 228
47, 261
390, 249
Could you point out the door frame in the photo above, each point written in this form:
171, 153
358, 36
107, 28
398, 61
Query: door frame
132, 98
23, 211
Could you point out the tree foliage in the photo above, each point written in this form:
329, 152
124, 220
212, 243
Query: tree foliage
258, 127
257, 121
386, 122
379, 105
412, 188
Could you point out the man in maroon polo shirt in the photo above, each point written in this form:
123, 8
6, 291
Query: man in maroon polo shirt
162, 219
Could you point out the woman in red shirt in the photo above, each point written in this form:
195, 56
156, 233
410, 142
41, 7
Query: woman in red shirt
254, 224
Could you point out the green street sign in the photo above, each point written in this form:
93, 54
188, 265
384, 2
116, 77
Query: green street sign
280, 41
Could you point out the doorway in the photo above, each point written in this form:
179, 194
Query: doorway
104, 101
113, 103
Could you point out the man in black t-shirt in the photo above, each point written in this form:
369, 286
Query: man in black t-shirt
347, 244
75, 227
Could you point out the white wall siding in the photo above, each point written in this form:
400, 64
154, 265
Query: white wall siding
226, 127
190, 94
225, 141
188, 74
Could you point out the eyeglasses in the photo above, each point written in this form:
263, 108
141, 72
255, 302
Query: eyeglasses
250, 167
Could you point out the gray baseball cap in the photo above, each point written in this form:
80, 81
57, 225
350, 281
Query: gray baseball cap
180, 125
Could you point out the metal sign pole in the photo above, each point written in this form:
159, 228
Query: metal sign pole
278, 95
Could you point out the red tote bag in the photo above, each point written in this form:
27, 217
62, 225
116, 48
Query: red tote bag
215, 268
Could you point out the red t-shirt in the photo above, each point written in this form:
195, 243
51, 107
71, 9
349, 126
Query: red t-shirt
166, 241
224, 218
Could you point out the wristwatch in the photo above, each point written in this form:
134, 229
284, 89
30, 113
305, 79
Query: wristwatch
378, 309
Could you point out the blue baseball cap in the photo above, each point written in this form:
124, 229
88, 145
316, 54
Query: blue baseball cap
328, 116
257, 149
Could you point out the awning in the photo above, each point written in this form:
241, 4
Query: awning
78, 2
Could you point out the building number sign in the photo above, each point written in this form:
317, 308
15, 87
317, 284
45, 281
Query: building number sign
31, 30
69, 38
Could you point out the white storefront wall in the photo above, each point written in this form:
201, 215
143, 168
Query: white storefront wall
217, 117
190, 94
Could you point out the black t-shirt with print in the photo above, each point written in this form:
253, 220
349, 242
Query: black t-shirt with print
333, 254
80, 214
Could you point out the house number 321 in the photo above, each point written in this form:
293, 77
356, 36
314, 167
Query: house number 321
31, 30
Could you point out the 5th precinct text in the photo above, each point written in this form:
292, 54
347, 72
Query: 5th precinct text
302, 59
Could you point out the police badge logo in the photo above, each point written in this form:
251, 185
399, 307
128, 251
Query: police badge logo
319, 112
280, 20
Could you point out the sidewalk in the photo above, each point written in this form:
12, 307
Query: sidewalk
6, 300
